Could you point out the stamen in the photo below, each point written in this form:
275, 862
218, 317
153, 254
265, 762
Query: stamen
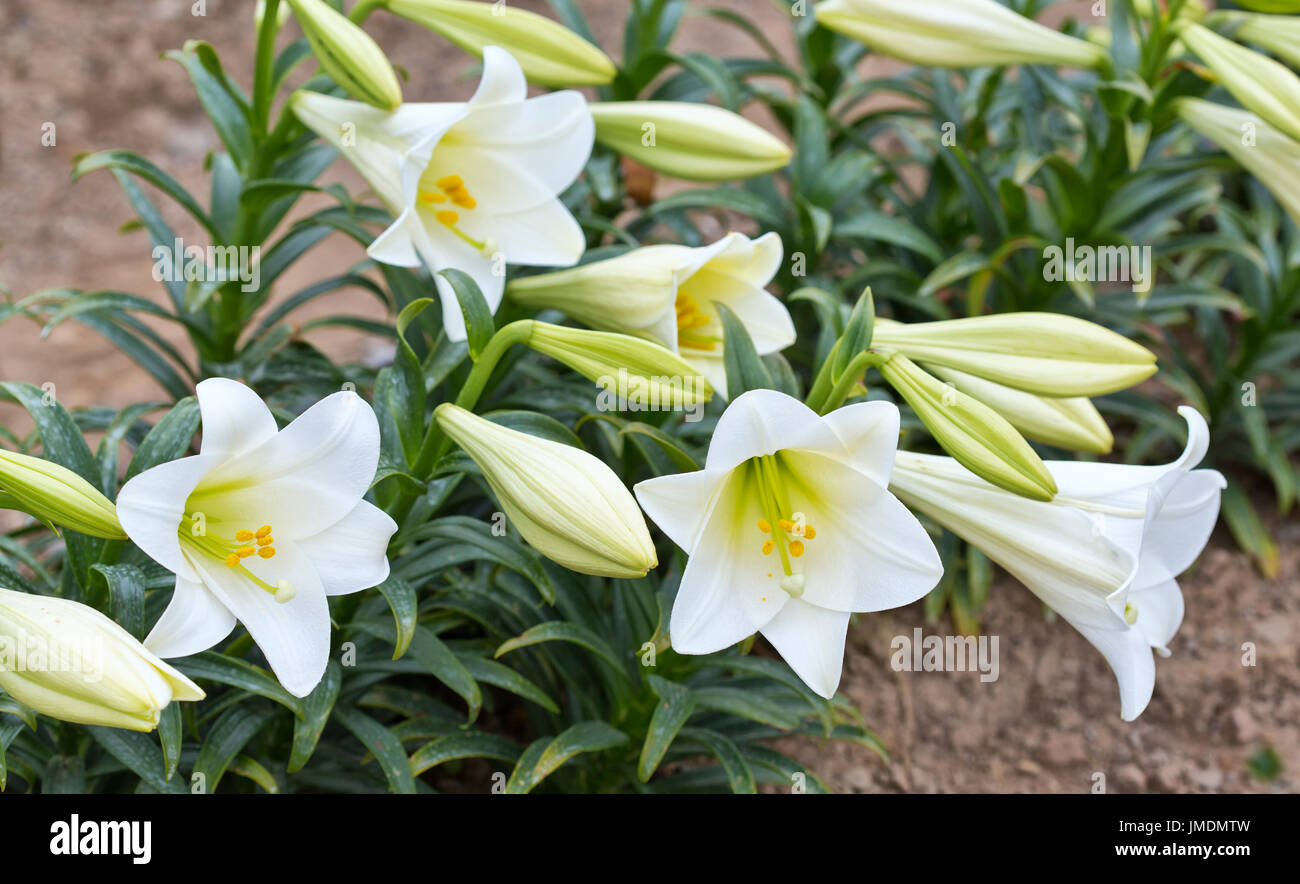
768, 546
689, 318
265, 541
791, 533
764, 526
266, 552
243, 534
796, 548
448, 217
232, 560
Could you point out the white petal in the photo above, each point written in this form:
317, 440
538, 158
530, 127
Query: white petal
764, 316
1159, 612
502, 82
235, 419
1129, 655
395, 244
680, 504
150, 507
762, 422
305, 479
1180, 527
725, 594
194, 621
710, 366
352, 554
294, 635
869, 434
550, 136
811, 640
1095, 481
870, 552
752, 261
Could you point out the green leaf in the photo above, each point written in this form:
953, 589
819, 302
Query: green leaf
871, 224
857, 333
404, 604
126, 595
739, 776
61, 441
317, 707
169, 439
505, 678
543, 757
561, 630
456, 746
227, 738
675, 706
138, 165
239, 674
745, 370
479, 326
381, 742
218, 98
170, 738
1248, 530
138, 753
252, 769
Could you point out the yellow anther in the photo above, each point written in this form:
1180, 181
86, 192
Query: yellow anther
232, 560
786, 525
266, 552
450, 182
243, 534
429, 197
768, 546
764, 526
809, 532
264, 530
447, 217
796, 548
244, 552
265, 541
464, 200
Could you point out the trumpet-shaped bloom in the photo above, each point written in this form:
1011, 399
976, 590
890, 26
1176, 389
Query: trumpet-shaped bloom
566, 503
667, 293
955, 33
261, 526
67, 660
472, 185
1263, 151
789, 528
1103, 554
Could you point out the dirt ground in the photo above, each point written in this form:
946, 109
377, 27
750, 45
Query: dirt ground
1048, 724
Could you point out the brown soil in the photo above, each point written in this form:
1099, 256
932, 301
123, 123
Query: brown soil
1047, 725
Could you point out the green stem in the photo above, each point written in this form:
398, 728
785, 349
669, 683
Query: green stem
840, 391
363, 9
436, 443
265, 66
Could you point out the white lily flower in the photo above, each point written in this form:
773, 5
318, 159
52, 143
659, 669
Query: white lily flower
1103, 554
261, 525
666, 293
789, 528
472, 184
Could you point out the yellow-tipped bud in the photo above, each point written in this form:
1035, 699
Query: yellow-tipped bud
549, 53
68, 661
955, 33
55, 494
699, 142
567, 504
975, 435
1044, 353
348, 54
614, 361
1261, 84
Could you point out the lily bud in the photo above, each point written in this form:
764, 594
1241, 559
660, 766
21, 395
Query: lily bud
259, 13
1278, 6
566, 503
56, 494
1073, 424
1279, 34
686, 139
348, 54
1044, 353
1266, 153
68, 661
659, 374
975, 435
956, 33
1261, 84
549, 53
